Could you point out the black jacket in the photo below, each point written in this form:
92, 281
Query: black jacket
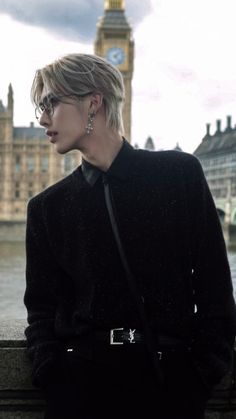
174, 244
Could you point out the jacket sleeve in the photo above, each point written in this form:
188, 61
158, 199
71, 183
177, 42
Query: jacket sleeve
42, 275
215, 316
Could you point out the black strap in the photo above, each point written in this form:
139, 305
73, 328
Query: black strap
131, 281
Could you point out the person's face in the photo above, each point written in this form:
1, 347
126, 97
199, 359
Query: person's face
66, 123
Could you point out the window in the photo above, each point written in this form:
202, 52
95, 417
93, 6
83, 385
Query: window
17, 164
17, 190
30, 163
30, 190
44, 164
233, 191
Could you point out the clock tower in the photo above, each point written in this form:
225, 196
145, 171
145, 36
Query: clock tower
114, 43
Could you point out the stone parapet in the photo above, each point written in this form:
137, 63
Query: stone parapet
12, 231
20, 400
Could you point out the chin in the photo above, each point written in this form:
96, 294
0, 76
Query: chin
59, 151
63, 150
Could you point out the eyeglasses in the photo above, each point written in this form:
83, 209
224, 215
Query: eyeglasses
50, 101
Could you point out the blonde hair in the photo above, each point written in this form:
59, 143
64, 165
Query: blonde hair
82, 74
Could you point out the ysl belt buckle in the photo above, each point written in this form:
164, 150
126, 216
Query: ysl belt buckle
112, 342
130, 338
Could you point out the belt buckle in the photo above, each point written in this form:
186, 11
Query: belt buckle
131, 335
112, 336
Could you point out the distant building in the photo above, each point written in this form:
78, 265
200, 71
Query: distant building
114, 41
217, 154
28, 163
149, 145
177, 147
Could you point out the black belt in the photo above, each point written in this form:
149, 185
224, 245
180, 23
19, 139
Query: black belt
120, 336
123, 336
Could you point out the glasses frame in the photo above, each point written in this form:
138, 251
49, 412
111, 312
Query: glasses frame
50, 101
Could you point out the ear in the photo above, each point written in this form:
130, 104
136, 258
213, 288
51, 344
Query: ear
96, 102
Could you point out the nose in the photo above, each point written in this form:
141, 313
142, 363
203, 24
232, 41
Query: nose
44, 119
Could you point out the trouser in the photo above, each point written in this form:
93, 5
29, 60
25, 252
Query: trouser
123, 384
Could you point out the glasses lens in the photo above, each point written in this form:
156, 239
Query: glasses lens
48, 104
45, 106
38, 113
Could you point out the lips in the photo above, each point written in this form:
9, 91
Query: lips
51, 134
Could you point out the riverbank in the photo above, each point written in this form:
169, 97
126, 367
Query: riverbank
12, 231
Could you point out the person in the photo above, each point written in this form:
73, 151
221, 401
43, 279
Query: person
85, 335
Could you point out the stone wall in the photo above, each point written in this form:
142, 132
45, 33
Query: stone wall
19, 400
232, 237
12, 231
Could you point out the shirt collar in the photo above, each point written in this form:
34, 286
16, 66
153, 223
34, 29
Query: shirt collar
119, 167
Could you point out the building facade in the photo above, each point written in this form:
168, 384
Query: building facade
217, 154
28, 163
114, 42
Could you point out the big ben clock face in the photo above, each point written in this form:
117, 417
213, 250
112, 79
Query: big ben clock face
115, 55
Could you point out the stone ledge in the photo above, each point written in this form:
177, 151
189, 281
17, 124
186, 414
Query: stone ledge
20, 400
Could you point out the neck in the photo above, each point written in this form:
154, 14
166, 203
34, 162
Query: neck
102, 149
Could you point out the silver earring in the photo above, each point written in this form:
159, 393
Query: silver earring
89, 126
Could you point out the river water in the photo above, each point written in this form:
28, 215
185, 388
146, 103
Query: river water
12, 279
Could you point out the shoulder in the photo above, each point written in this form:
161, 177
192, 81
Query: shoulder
169, 160
55, 194
167, 155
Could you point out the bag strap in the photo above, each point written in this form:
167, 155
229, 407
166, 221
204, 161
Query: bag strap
131, 281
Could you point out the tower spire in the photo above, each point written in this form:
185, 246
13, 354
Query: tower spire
10, 100
114, 4
114, 42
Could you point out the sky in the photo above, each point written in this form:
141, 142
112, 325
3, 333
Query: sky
184, 67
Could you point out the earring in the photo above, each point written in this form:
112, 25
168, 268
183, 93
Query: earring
89, 126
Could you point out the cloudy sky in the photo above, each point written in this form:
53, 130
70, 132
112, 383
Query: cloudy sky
185, 63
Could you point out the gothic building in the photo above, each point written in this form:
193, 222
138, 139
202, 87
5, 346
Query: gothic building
217, 154
149, 144
114, 42
28, 162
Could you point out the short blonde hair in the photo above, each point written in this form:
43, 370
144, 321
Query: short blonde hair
79, 75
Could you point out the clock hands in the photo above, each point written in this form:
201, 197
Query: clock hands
115, 55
